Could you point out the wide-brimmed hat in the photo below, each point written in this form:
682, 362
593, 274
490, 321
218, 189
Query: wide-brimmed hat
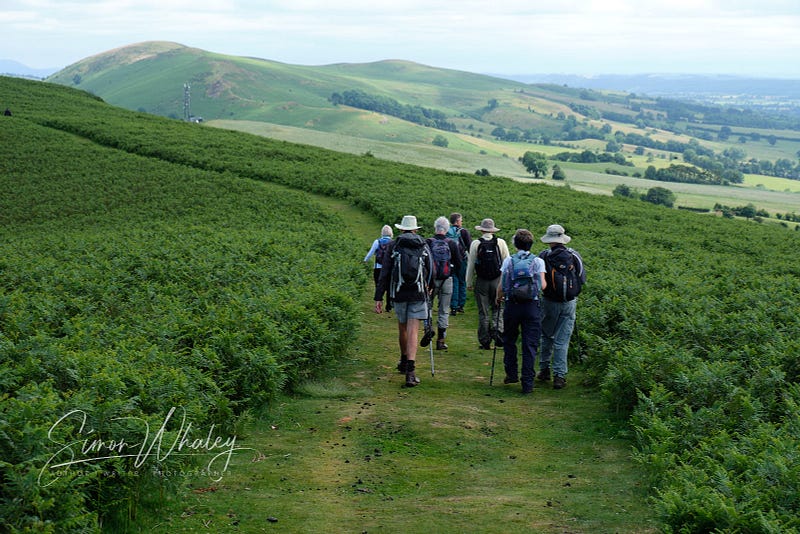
409, 222
487, 225
555, 234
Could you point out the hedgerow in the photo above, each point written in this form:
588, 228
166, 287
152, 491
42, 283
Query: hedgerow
687, 324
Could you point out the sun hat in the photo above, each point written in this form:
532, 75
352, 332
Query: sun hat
409, 222
555, 234
487, 225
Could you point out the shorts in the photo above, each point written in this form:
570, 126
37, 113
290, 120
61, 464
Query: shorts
411, 310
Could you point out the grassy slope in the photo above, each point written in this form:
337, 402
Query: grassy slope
235, 91
355, 452
453, 453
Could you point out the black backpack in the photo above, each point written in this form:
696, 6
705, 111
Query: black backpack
409, 258
564, 274
440, 250
380, 254
487, 259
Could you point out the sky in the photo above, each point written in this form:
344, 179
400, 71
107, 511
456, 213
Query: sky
588, 37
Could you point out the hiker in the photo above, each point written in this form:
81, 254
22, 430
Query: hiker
446, 261
408, 281
486, 255
565, 276
378, 249
522, 279
461, 236
7, 112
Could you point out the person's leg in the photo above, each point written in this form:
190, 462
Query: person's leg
461, 282
401, 312
563, 332
531, 330
482, 299
510, 344
442, 322
498, 328
548, 330
417, 312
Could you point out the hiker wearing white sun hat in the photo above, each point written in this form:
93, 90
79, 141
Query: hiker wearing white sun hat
408, 279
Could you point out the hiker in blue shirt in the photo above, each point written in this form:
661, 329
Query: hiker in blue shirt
522, 279
461, 236
378, 249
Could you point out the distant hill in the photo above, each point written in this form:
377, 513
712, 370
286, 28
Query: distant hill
14, 68
680, 85
402, 102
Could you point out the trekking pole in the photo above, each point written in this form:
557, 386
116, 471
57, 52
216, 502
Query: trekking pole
493, 331
430, 325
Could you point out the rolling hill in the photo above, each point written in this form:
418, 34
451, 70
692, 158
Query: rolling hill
148, 263
490, 122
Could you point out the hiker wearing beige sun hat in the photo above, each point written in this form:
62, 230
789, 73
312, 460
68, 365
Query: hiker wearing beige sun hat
408, 290
565, 276
486, 254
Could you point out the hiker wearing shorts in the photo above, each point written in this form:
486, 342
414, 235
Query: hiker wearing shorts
407, 279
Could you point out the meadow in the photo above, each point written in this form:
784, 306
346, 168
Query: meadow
149, 263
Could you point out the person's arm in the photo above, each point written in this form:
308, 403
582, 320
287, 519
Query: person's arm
473, 251
372, 250
455, 256
540, 268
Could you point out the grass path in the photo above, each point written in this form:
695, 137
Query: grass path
356, 452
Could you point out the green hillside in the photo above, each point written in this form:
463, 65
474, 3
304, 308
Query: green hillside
148, 264
494, 121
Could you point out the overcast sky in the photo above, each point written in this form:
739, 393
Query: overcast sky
747, 37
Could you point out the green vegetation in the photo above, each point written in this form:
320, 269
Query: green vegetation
143, 267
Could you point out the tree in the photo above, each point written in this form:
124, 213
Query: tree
535, 163
558, 174
441, 141
660, 196
625, 191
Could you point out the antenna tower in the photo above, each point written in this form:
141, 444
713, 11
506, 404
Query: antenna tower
186, 101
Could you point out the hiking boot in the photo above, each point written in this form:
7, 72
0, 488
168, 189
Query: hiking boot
510, 380
498, 341
411, 378
426, 339
460, 310
440, 344
559, 382
453, 312
527, 390
544, 375
485, 346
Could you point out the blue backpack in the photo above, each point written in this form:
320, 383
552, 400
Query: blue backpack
521, 282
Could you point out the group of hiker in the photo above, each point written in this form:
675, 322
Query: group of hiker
520, 295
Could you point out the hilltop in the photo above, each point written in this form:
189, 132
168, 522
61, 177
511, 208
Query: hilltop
459, 121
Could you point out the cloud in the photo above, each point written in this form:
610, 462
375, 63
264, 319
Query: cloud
584, 36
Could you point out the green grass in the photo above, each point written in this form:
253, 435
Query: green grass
355, 452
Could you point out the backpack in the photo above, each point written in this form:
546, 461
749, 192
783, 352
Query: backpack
380, 253
521, 282
409, 258
487, 260
564, 274
440, 250
454, 233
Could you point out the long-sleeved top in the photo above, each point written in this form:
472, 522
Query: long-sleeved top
374, 248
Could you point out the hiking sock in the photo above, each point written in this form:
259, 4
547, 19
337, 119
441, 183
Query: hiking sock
401, 365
